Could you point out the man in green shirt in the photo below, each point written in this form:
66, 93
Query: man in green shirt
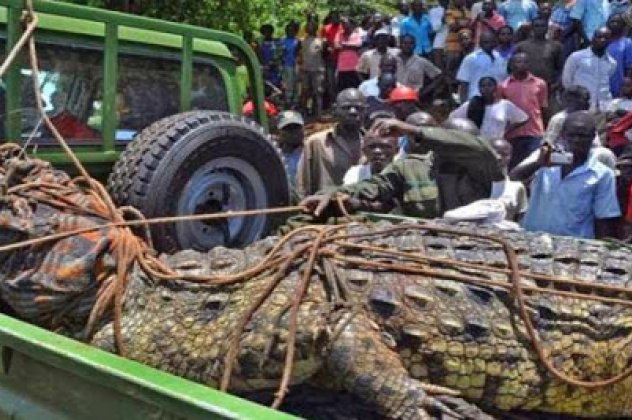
460, 170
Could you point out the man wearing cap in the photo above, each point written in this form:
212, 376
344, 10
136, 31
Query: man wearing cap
328, 155
291, 135
419, 26
412, 69
417, 183
369, 64
404, 102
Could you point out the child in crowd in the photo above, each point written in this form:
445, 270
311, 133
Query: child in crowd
291, 50
312, 70
269, 54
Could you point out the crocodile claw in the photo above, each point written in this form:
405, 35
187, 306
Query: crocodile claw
434, 405
461, 409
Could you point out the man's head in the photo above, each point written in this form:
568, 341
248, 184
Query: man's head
444, 3
417, 7
459, 3
381, 39
422, 119
290, 125
388, 64
519, 64
311, 28
466, 40
347, 25
407, 45
576, 98
488, 7
505, 35
291, 29
545, 9
403, 8
379, 151
600, 40
267, 30
539, 28
487, 86
404, 100
350, 108
487, 41
504, 150
616, 24
461, 124
334, 17
386, 82
377, 20
578, 133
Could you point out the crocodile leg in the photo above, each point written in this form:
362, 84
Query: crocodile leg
361, 362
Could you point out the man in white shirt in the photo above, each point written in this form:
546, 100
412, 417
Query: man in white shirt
482, 62
369, 64
440, 28
592, 68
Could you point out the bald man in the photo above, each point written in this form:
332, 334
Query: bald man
576, 198
328, 155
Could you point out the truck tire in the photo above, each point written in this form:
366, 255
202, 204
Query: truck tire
202, 162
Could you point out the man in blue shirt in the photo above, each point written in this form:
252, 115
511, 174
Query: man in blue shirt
619, 48
518, 12
418, 25
588, 16
577, 198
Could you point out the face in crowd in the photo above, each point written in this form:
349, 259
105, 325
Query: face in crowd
601, 39
487, 86
504, 150
487, 42
577, 135
407, 45
379, 151
350, 108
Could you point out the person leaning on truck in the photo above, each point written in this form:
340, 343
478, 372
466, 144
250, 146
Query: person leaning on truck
418, 183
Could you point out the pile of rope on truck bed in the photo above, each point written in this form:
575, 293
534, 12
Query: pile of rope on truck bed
72, 267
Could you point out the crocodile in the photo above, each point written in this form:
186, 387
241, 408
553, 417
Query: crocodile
383, 334
411, 329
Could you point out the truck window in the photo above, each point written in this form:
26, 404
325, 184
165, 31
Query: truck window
71, 79
208, 90
148, 90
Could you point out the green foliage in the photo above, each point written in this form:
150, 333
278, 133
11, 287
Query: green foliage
239, 15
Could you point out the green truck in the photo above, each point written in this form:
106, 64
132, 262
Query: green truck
153, 107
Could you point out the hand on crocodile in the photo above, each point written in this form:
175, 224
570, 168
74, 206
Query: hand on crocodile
317, 204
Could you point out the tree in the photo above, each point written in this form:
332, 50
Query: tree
238, 15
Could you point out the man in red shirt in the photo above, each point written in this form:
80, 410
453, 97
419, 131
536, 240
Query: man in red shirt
329, 33
530, 94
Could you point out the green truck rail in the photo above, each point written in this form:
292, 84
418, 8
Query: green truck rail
47, 376
116, 32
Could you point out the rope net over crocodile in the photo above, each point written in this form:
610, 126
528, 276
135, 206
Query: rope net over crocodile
392, 314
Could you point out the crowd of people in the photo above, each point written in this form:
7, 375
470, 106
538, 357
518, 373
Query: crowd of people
540, 122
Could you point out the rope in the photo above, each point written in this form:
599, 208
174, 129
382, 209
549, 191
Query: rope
313, 243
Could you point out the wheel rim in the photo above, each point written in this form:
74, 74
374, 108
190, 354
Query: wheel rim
221, 185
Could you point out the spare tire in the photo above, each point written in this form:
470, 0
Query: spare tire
202, 162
